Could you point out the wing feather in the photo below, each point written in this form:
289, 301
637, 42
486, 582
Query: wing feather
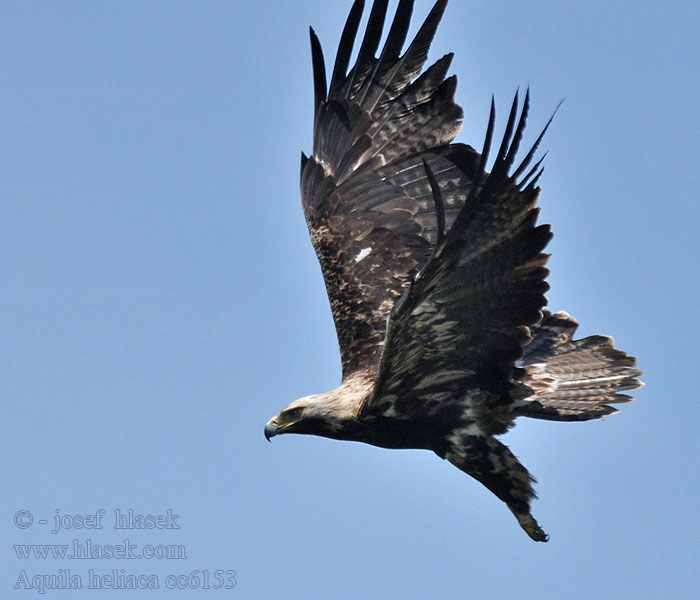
347, 41
365, 190
469, 311
370, 43
319, 70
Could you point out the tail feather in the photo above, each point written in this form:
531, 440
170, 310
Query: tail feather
574, 380
495, 466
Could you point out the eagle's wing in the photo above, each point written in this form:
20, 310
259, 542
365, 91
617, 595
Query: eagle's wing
464, 320
365, 191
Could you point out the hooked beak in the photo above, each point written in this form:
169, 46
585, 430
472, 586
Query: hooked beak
271, 429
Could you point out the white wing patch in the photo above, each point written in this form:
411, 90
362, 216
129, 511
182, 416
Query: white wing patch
364, 253
457, 436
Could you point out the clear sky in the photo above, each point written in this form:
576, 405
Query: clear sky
161, 300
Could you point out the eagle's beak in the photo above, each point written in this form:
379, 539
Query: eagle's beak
271, 429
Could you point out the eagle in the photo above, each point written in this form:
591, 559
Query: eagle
435, 270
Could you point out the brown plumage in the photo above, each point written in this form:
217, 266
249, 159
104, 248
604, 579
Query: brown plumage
435, 270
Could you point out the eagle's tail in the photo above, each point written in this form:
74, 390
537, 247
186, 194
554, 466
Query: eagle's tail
574, 380
493, 464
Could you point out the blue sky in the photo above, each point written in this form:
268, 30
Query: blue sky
161, 300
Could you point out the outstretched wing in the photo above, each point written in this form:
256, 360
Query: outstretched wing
366, 196
463, 322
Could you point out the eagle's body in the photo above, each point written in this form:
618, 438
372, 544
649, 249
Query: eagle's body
435, 272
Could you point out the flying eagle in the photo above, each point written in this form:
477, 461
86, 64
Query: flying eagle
435, 270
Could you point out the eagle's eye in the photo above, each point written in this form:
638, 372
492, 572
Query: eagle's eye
291, 414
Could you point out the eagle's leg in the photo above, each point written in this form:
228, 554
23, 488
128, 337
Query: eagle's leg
495, 466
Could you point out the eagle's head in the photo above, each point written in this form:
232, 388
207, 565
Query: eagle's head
313, 415
327, 415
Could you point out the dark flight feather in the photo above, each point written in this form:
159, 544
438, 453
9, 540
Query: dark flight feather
370, 42
347, 41
397, 33
439, 204
319, 70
